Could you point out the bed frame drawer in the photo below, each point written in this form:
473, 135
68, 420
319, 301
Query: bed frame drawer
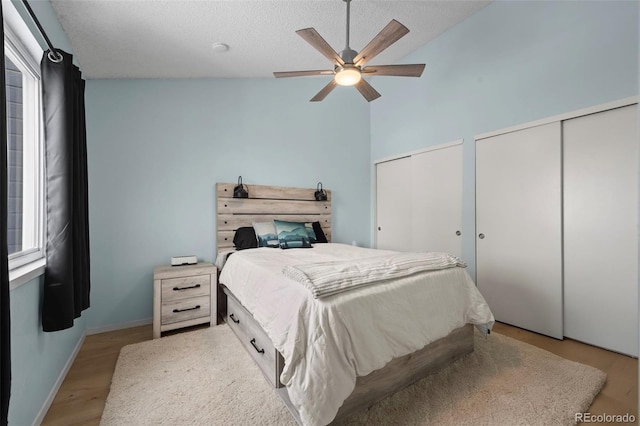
254, 339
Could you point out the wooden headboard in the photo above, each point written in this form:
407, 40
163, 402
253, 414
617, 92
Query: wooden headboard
266, 203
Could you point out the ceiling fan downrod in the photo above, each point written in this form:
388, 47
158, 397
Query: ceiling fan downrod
348, 54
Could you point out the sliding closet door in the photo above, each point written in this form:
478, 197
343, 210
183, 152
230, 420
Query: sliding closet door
393, 205
437, 200
601, 229
518, 222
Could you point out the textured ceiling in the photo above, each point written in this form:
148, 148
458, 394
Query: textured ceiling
174, 38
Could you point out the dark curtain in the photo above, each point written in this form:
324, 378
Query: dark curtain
5, 325
66, 278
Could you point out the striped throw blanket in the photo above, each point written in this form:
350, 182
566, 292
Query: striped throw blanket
324, 279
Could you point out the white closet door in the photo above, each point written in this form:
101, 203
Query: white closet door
518, 221
601, 229
437, 200
393, 205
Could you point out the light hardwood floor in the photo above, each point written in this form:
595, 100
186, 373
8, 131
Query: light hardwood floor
82, 396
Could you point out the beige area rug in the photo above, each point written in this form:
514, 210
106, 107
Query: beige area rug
205, 377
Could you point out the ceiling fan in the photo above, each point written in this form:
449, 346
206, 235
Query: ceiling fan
350, 66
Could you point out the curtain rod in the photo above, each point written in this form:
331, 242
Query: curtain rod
53, 54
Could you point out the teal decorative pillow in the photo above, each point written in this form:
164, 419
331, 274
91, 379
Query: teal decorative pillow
292, 234
266, 234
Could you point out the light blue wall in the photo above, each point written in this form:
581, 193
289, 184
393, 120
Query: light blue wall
156, 149
511, 63
37, 358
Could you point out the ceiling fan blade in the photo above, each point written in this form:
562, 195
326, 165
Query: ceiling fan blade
367, 91
409, 70
325, 91
393, 32
281, 74
314, 39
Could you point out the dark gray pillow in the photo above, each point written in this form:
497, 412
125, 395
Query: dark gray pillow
320, 237
245, 238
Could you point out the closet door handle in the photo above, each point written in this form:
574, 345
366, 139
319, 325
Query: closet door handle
481, 236
458, 233
253, 343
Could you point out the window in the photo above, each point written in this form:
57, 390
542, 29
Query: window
15, 155
24, 152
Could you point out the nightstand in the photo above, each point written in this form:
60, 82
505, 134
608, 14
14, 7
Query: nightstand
184, 296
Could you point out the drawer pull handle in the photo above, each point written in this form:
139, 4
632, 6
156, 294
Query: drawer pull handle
253, 343
233, 319
186, 288
186, 309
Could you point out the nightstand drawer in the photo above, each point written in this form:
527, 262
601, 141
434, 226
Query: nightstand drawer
185, 287
186, 309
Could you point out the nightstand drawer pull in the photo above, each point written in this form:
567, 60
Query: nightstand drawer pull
233, 319
253, 343
187, 309
186, 288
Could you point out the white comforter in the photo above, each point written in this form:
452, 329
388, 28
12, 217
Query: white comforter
327, 343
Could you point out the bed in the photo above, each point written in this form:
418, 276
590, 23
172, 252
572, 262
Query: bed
332, 355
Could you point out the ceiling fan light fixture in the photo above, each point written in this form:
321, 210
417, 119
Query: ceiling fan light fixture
349, 64
348, 76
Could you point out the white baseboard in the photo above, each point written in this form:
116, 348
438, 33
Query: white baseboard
63, 374
121, 326
56, 386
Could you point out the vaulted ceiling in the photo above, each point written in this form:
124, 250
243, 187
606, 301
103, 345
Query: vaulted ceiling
175, 38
